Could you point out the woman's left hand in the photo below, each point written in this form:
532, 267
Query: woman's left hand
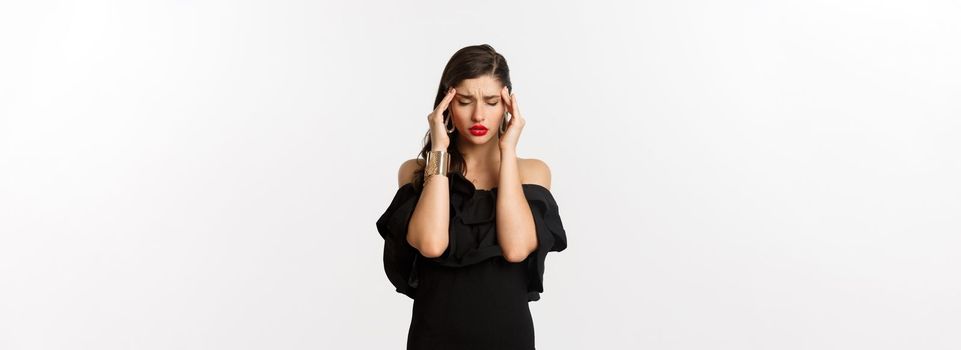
508, 141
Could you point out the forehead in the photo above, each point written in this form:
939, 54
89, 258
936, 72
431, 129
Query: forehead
481, 86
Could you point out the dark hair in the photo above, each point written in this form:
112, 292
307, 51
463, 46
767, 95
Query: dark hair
467, 63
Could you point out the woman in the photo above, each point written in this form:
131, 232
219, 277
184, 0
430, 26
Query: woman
470, 272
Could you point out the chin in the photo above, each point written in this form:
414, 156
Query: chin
478, 140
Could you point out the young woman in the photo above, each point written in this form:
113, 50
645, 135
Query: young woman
467, 233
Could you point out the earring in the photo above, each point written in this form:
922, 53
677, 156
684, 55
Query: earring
504, 122
449, 129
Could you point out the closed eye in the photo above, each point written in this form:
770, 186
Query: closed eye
464, 103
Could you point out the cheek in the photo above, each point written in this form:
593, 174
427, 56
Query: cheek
461, 113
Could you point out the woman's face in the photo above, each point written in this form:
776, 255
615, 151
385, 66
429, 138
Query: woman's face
476, 106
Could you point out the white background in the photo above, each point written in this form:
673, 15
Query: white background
731, 175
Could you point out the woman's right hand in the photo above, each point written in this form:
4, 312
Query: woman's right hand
438, 131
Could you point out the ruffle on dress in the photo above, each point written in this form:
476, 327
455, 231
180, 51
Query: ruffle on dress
473, 233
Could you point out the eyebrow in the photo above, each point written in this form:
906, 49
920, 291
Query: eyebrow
472, 97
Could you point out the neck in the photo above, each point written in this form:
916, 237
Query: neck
480, 158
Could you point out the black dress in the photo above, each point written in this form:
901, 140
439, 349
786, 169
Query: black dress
470, 297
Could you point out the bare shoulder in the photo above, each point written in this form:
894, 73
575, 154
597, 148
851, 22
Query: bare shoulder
405, 174
535, 171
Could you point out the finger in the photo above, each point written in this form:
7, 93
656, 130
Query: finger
442, 106
505, 96
515, 108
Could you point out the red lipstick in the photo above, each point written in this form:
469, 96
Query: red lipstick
478, 130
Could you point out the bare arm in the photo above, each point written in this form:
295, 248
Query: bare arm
429, 224
515, 222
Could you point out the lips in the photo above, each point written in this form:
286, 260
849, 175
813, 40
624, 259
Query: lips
478, 130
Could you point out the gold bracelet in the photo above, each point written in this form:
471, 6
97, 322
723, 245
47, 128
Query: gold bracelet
438, 163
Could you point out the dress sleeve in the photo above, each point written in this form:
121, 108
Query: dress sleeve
551, 236
399, 256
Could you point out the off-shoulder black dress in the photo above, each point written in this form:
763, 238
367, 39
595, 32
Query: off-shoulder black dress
470, 297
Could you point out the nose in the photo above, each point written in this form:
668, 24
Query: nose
478, 115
